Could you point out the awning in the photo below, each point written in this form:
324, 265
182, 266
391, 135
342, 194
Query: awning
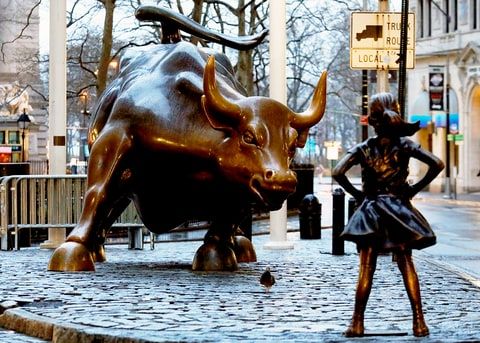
420, 110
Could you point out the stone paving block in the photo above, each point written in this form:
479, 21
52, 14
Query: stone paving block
153, 296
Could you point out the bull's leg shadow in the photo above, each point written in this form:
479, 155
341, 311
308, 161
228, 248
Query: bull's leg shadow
222, 250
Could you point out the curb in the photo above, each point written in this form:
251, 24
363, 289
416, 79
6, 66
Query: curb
451, 268
471, 203
33, 325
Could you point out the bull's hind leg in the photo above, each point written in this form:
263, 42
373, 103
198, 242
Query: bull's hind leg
243, 248
104, 201
216, 253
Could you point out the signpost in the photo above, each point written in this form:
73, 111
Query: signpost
375, 40
333, 148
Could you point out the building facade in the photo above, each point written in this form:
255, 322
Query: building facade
448, 58
21, 85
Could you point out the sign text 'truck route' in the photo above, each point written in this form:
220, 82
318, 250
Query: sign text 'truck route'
375, 40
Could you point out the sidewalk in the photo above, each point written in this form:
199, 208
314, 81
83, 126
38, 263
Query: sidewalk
153, 296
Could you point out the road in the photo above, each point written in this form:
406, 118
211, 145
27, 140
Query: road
458, 237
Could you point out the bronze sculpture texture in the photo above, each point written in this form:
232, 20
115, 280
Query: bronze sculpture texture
386, 220
175, 134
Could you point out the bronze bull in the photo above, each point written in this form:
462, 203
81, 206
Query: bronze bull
175, 134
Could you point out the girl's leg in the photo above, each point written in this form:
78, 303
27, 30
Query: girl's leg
410, 279
368, 263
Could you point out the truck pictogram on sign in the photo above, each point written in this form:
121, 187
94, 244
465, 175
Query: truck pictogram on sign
375, 40
371, 31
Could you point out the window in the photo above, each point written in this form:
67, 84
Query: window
474, 14
454, 15
13, 137
421, 19
429, 18
446, 8
2, 137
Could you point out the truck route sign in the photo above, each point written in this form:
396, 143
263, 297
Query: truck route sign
375, 40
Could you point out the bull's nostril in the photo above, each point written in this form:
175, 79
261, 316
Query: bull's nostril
269, 174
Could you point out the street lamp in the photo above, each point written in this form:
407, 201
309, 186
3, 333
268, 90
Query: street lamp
23, 122
83, 133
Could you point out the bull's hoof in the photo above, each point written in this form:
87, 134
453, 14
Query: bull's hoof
71, 257
244, 250
214, 257
98, 255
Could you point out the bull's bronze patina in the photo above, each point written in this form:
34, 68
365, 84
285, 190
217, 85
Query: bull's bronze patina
385, 219
183, 147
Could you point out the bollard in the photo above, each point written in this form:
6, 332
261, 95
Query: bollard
310, 217
135, 238
338, 221
352, 206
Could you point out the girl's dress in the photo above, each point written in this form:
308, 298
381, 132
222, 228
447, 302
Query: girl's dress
386, 218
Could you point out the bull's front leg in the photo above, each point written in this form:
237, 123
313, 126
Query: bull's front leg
223, 249
104, 201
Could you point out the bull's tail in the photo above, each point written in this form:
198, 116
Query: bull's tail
172, 22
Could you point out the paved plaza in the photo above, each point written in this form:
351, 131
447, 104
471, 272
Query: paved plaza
154, 296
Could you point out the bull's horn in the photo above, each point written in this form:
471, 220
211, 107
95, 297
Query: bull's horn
314, 113
213, 98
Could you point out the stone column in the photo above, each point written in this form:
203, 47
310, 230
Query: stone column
57, 90
278, 91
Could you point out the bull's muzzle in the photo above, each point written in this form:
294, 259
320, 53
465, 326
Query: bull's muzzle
273, 187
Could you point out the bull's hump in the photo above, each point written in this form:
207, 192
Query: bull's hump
164, 59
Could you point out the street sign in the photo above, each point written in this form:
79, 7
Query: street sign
332, 149
375, 40
363, 120
457, 138
436, 87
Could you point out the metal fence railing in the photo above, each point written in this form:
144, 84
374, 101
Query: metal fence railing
46, 201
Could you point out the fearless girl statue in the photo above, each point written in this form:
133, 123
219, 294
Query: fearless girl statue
385, 220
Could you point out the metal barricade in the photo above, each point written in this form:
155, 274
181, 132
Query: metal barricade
46, 201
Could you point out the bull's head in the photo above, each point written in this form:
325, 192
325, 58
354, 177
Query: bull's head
261, 136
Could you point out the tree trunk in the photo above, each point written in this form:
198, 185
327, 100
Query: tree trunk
105, 56
197, 16
244, 72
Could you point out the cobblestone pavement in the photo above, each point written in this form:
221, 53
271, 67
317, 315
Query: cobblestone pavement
154, 296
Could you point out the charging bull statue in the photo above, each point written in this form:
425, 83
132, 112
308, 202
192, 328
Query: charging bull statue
175, 134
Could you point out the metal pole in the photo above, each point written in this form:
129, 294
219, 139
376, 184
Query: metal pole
382, 75
278, 91
447, 132
23, 145
364, 103
448, 193
365, 91
403, 58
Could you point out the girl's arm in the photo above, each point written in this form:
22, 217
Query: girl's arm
435, 166
338, 173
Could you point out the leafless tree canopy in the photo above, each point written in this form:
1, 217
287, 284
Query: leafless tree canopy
318, 39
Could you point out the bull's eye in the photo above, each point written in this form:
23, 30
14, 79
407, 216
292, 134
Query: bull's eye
249, 137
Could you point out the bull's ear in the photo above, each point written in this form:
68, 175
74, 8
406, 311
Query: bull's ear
302, 138
214, 119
